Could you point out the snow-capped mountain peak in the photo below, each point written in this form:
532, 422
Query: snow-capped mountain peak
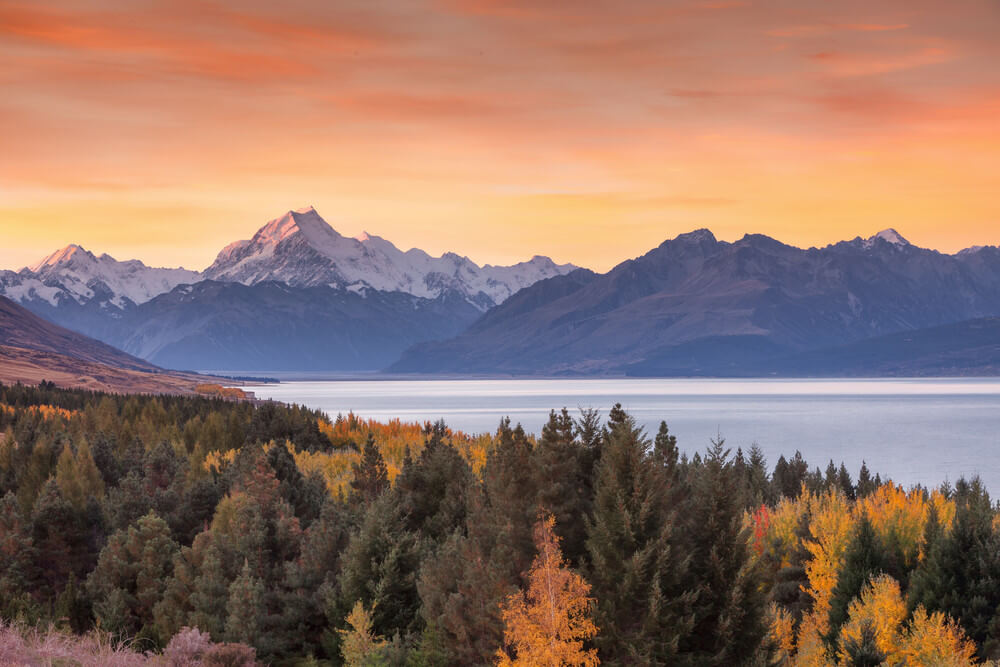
300, 248
74, 273
889, 236
61, 256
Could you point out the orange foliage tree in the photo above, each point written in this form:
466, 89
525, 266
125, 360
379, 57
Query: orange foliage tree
548, 624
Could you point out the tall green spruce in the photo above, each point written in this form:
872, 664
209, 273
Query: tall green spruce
463, 587
636, 572
961, 574
729, 608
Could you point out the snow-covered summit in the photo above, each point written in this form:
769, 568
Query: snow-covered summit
301, 249
77, 274
890, 236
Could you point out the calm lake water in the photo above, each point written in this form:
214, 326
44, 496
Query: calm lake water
914, 431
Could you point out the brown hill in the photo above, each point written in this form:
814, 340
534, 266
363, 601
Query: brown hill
33, 349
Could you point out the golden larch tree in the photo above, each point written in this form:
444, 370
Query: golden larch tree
549, 623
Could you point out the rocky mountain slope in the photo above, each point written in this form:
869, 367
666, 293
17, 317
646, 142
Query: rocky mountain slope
695, 297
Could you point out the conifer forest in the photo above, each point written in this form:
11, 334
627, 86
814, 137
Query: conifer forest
183, 531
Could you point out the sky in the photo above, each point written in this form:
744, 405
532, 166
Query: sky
586, 131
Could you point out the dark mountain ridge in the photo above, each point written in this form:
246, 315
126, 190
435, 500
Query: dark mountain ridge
755, 298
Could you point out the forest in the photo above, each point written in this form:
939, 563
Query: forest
180, 530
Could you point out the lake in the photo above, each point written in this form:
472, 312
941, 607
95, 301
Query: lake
912, 430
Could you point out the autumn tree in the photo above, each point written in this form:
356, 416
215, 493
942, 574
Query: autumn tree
878, 611
359, 645
549, 622
865, 557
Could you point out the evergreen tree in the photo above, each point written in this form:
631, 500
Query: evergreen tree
379, 567
758, 486
60, 540
561, 467
864, 651
463, 586
245, 608
960, 575
18, 558
866, 485
371, 477
72, 608
789, 476
68, 478
132, 574
845, 483
729, 610
636, 573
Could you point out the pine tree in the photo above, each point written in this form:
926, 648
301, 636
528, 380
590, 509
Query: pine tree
18, 558
729, 610
789, 476
560, 468
758, 486
132, 574
464, 584
549, 622
245, 608
72, 608
210, 597
379, 567
371, 477
866, 485
633, 565
864, 651
960, 574
845, 483
60, 540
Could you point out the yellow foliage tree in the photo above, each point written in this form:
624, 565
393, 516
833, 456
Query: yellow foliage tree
360, 646
936, 640
830, 524
548, 624
880, 606
782, 634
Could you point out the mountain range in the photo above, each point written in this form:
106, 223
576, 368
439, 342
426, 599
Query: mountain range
299, 296
696, 305
296, 296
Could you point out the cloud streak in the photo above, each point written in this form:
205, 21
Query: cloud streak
456, 124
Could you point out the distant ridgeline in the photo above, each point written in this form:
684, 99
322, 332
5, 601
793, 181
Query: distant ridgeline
202, 527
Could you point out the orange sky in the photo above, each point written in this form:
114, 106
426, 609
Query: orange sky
588, 131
